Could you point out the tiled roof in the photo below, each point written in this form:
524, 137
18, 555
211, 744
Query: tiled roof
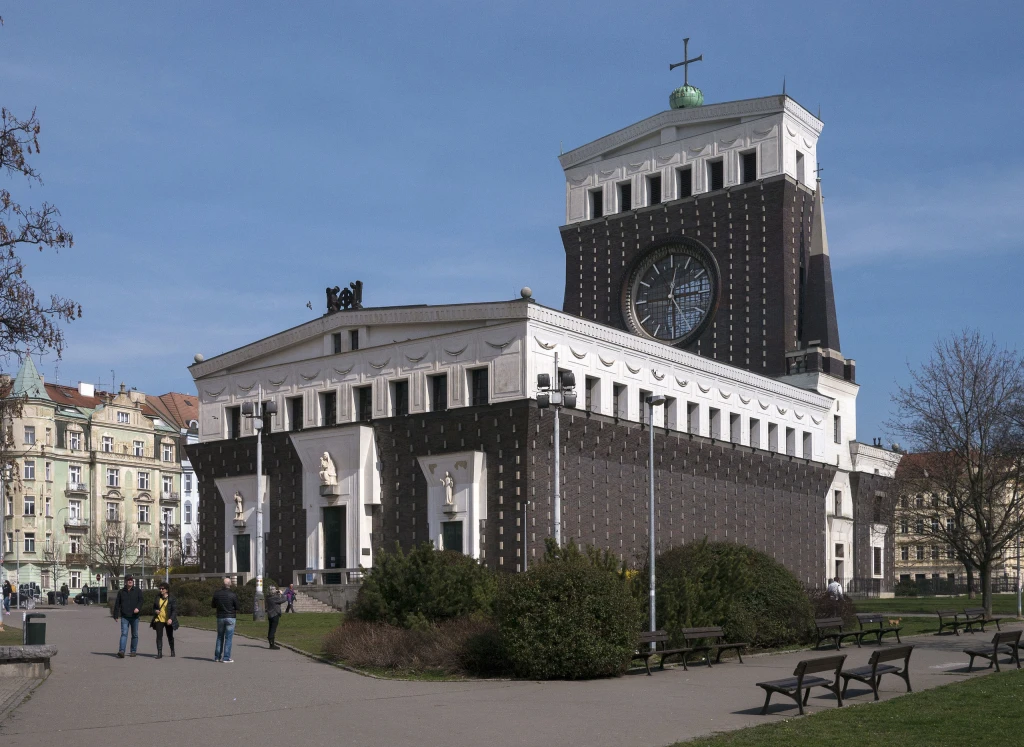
180, 408
71, 397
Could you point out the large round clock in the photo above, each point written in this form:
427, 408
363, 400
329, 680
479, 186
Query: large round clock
672, 290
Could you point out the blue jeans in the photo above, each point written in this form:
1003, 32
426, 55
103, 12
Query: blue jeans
225, 635
126, 623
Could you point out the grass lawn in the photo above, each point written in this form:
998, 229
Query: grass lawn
11, 636
304, 631
983, 710
1002, 604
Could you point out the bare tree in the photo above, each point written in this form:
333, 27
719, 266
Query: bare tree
961, 414
113, 548
53, 561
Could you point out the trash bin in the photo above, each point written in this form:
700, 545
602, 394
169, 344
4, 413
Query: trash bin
101, 594
51, 598
34, 633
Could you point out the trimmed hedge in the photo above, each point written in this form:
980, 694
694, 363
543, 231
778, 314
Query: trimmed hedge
750, 595
423, 587
571, 616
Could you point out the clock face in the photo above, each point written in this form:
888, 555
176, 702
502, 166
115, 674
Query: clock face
672, 292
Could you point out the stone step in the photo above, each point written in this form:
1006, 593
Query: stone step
306, 603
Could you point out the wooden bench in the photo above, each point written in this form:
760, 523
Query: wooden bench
1007, 644
944, 621
823, 625
874, 623
659, 638
717, 644
872, 673
977, 616
798, 687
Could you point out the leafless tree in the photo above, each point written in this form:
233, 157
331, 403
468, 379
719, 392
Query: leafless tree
113, 548
961, 415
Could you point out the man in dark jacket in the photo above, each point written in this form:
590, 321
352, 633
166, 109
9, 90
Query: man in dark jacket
274, 601
127, 605
225, 602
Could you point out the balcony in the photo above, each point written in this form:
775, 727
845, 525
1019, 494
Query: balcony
77, 488
74, 522
76, 558
166, 497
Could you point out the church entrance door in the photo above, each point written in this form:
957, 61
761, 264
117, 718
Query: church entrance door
334, 542
451, 535
243, 554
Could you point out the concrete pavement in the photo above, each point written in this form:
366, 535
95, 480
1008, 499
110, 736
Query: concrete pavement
282, 697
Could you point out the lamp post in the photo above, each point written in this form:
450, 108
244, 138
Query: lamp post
562, 394
17, 576
167, 547
256, 413
6, 475
652, 401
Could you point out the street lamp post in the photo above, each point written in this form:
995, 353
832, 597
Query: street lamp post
652, 401
256, 413
6, 475
563, 394
167, 547
17, 576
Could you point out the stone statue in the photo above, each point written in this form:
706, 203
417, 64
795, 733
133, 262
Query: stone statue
333, 304
239, 507
449, 489
339, 298
328, 474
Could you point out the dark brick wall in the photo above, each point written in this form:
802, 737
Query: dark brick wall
874, 501
759, 233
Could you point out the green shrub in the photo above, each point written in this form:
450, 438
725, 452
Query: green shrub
246, 595
189, 607
826, 606
751, 596
424, 586
905, 588
571, 616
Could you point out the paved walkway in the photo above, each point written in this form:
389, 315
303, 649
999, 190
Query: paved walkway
280, 697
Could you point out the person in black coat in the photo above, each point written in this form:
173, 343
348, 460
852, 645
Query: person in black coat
165, 618
127, 606
274, 601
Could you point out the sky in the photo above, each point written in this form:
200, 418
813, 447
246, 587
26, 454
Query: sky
220, 163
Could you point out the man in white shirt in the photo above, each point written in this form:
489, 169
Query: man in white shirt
835, 589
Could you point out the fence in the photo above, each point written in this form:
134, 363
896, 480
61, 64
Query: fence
920, 586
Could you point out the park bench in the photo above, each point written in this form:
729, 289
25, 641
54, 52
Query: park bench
831, 628
977, 616
798, 687
876, 667
717, 644
1007, 644
874, 623
944, 621
660, 640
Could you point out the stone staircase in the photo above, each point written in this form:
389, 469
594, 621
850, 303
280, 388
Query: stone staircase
306, 603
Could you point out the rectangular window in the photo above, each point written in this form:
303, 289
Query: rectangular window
877, 565
625, 197
113, 477
74, 440
10, 506
755, 433
478, 386
439, 393
693, 417
837, 429
671, 411
773, 436
596, 197
791, 441
233, 421
143, 546
800, 167
643, 405
592, 393
9, 546
75, 510
143, 514
950, 553
30, 541
188, 483
363, 403
168, 485
30, 505
49, 437
715, 421
295, 413
139, 448
353, 339
919, 526
75, 474
840, 551
123, 418
949, 525
837, 503
904, 527
30, 435
76, 580
654, 189
904, 553
920, 552
399, 398
188, 513
329, 408
620, 407
808, 445
75, 544
167, 452
29, 471
48, 506
935, 552
685, 180
336, 342
48, 471
749, 165
735, 427
143, 481
935, 525
107, 444
716, 175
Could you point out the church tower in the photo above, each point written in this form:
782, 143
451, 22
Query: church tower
702, 227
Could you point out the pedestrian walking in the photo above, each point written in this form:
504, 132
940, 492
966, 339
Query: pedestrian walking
226, 603
165, 618
127, 606
274, 601
7, 595
64, 592
289, 595
835, 589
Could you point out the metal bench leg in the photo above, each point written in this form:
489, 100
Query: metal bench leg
995, 660
906, 678
647, 663
807, 695
874, 685
767, 698
835, 689
740, 655
846, 684
800, 701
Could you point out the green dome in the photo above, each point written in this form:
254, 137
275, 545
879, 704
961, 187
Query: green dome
686, 97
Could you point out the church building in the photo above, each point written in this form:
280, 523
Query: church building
696, 268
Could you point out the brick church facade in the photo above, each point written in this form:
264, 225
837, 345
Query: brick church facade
697, 268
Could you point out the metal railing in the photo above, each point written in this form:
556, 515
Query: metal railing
72, 522
955, 586
169, 496
77, 487
327, 576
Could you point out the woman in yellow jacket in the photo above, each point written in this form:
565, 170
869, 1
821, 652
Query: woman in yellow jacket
165, 618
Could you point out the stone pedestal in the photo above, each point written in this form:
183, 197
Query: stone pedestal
330, 491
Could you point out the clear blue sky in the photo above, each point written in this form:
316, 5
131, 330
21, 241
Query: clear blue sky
220, 163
